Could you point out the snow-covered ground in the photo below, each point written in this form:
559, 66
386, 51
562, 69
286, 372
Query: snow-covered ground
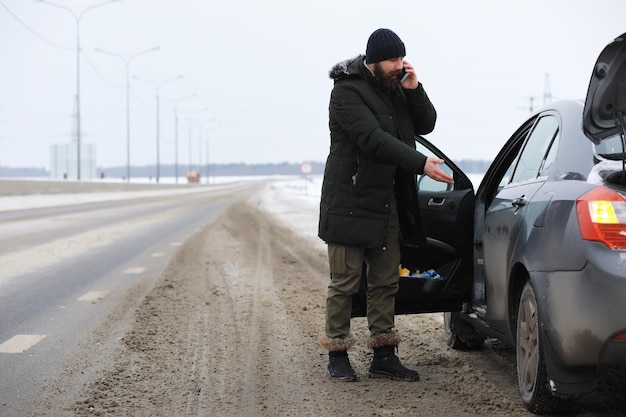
296, 203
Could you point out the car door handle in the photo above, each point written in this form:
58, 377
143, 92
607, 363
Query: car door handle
519, 202
436, 201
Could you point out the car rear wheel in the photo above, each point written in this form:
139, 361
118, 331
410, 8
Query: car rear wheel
460, 334
532, 377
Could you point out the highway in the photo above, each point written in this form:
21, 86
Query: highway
65, 269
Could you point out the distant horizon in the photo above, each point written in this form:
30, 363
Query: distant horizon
460, 161
468, 166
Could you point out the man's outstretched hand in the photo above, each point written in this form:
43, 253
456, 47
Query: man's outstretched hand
433, 171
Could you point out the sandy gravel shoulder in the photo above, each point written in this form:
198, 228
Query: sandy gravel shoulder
231, 329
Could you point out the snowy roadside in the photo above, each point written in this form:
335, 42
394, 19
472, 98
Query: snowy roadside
295, 203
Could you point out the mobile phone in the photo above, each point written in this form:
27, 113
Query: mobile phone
405, 75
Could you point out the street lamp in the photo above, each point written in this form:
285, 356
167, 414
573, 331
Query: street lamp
208, 177
127, 61
77, 17
176, 103
189, 115
157, 88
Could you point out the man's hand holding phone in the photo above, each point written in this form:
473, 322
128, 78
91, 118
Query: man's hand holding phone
409, 79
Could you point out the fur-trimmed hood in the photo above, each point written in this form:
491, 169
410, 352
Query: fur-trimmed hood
347, 69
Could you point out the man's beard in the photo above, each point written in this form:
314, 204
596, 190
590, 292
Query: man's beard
389, 80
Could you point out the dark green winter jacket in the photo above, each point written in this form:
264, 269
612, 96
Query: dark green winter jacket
372, 155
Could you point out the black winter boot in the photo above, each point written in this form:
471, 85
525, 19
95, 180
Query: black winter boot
386, 364
339, 366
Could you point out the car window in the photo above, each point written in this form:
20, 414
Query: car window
551, 156
611, 148
534, 152
424, 182
507, 176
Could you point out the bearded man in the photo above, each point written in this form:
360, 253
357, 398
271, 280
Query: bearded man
369, 196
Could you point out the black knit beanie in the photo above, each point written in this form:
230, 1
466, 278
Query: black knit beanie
383, 44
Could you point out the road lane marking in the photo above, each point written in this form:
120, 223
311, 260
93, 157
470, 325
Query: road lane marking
40, 256
94, 296
177, 243
135, 270
158, 254
20, 343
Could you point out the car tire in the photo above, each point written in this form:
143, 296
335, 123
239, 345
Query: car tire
459, 334
532, 377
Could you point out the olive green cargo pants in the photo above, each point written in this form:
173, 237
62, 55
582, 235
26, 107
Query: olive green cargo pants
382, 283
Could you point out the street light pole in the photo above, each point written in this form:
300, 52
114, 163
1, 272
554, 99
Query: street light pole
189, 119
208, 173
176, 103
157, 88
77, 17
208, 178
127, 62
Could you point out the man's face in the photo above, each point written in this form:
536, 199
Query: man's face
389, 72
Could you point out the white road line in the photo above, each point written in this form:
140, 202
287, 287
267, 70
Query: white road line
177, 243
94, 296
135, 270
20, 343
158, 254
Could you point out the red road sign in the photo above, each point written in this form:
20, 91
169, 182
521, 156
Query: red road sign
306, 168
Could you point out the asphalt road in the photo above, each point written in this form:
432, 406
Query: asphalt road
63, 270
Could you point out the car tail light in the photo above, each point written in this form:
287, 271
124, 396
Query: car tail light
621, 336
602, 217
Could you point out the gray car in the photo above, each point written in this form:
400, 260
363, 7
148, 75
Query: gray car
536, 257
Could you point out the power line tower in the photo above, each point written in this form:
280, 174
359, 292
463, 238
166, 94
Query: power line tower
547, 94
63, 157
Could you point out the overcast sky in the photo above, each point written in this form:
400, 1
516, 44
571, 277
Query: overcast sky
259, 70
